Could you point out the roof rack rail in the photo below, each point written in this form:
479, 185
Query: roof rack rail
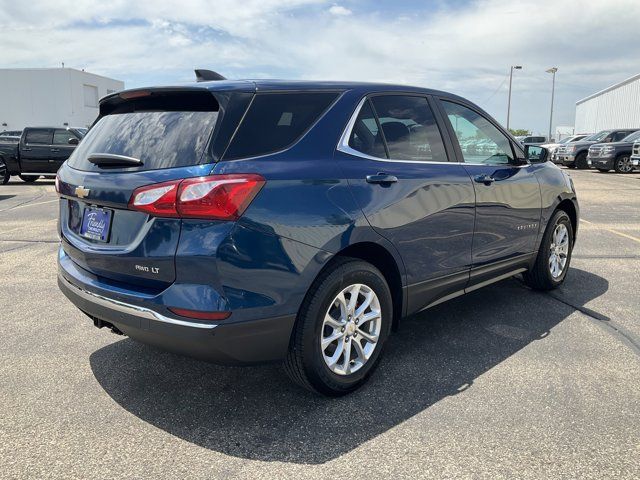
207, 75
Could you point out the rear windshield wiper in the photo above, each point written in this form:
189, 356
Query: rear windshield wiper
113, 160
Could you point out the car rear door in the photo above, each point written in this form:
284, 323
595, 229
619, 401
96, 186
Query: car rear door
508, 198
35, 150
397, 163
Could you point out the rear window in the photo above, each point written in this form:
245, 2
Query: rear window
161, 139
42, 137
275, 121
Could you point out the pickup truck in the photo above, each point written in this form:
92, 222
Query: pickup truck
574, 154
40, 151
614, 155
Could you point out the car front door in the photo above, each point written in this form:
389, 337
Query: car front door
508, 199
397, 164
35, 150
61, 149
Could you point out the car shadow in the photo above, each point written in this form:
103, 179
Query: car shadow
256, 413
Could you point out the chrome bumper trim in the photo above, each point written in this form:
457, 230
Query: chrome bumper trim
134, 310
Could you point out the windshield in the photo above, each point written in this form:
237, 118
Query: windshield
564, 140
632, 137
596, 137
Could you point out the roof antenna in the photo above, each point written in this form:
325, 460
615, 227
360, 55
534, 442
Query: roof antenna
207, 75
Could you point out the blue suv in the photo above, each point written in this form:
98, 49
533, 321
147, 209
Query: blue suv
267, 221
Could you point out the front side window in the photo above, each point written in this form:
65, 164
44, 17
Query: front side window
42, 137
480, 141
61, 137
619, 136
409, 128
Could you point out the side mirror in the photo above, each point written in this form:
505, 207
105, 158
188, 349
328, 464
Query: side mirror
536, 154
73, 141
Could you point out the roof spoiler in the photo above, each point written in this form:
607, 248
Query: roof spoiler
207, 75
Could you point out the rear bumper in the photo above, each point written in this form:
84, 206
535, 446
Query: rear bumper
228, 343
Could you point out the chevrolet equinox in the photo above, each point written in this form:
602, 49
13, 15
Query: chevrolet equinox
243, 222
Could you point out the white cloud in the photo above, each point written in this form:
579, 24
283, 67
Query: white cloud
340, 11
466, 50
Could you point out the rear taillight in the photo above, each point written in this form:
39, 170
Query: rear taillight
218, 197
158, 199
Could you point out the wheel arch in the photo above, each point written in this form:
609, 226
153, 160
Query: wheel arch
381, 258
570, 209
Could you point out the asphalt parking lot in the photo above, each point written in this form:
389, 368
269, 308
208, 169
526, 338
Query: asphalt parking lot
502, 383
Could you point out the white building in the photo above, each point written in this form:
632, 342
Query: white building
52, 97
617, 106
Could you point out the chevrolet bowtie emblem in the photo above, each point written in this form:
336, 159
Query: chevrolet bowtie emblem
82, 192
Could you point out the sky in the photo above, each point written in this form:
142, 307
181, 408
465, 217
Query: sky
461, 46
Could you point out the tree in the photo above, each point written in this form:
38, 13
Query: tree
519, 132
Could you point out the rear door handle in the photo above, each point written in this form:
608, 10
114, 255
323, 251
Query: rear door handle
381, 178
26, 149
55, 149
486, 179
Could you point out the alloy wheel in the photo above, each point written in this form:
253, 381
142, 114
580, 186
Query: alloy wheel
351, 329
559, 250
624, 164
3, 173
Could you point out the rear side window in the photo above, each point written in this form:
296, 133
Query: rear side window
276, 121
40, 136
409, 128
161, 139
365, 134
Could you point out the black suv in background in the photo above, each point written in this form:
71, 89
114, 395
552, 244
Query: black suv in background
575, 154
615, 155
39, 151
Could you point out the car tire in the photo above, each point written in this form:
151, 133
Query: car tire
623, 164
603, 170
548, 271
581, 161
323, 356
29, 178
4, 173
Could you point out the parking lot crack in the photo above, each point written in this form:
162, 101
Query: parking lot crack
605, 322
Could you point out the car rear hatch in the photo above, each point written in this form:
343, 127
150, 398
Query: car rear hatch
141, 138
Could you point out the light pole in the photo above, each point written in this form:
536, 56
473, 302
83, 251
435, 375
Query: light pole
553, 71
513, 67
